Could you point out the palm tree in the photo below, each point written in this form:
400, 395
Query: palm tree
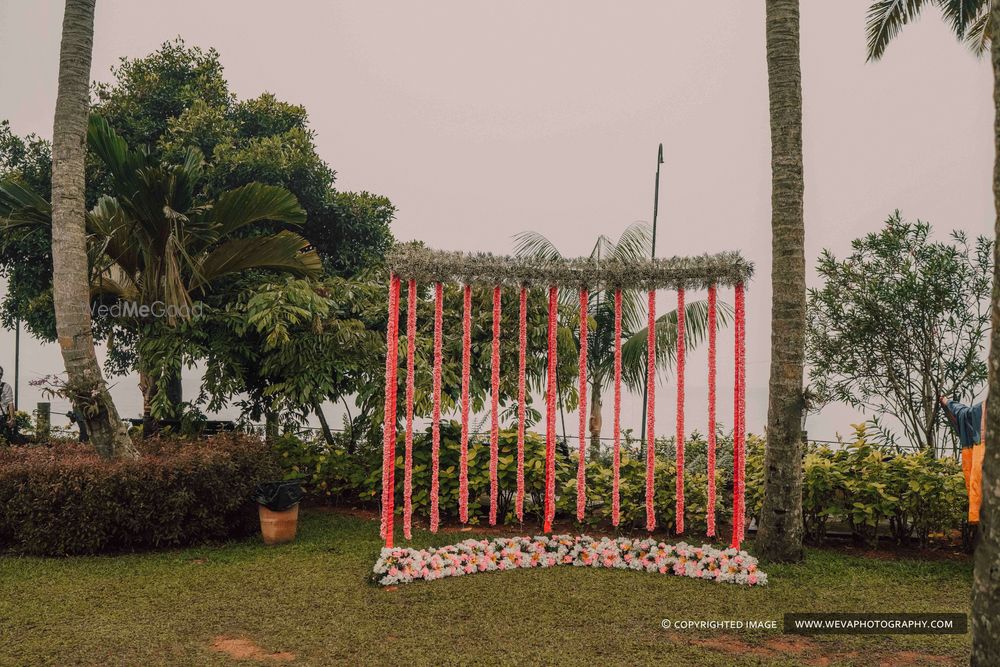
779, 537
155, 243
633, 245
85, 386
972, 21
986, 584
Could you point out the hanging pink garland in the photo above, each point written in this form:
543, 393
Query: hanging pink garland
411, 336
679, 509
650, 410
616, 460
463, 457
739, 449
521, 399
710, 517
741, 368
436, 414
550, 416
495, 406
581, 465
389, 410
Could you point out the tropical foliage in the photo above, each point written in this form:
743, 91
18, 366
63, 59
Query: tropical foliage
968, 19
154, 241
898, 323
873, 493
166, 103
289, 345
859, 487
632, 247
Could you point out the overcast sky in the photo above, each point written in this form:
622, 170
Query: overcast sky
482, 119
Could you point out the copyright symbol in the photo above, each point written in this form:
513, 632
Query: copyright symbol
665, 624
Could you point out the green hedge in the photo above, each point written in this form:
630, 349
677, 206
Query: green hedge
872, 491
62, 499
354, 478
865, 489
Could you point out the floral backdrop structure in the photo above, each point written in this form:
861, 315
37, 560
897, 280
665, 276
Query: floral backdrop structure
424, 272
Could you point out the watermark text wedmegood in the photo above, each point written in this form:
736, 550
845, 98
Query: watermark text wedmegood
154, 310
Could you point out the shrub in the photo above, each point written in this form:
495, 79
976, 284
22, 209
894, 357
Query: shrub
357, 478
62, 500
859, 485
865, 486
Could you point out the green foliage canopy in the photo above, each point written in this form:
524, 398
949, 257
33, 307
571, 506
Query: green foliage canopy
168, 102
899, 322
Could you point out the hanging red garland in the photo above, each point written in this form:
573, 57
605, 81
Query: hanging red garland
679, 509
521, 399
710, 517
411, 336
741, 368
739, 406
463, 457
495, 406
581, 465
650, 409
616, 454
389, 410
550, 416
436, 414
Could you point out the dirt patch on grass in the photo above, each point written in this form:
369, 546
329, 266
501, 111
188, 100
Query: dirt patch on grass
791, 644
810, 652
909, 658
732, 645
242, 648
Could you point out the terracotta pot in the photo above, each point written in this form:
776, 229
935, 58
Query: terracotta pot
278, 527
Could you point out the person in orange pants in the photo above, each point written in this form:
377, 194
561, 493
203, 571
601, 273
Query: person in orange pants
969, 423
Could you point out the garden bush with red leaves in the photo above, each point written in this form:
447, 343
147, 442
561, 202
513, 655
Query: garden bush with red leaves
62, 499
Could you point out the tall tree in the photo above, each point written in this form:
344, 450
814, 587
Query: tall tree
167, 102
780, 535
899, 322
986, 585
974, 22
154, 244
86, 387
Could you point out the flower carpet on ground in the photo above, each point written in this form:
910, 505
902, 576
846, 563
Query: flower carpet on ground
402, 565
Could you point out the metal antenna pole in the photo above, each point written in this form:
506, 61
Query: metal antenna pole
656, 208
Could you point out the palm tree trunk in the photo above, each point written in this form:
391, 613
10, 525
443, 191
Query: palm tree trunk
86, 386
596, 421
147, 385
324, 425
986, 582
175, 391
779, 536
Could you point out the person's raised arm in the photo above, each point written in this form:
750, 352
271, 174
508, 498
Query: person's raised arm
947, 410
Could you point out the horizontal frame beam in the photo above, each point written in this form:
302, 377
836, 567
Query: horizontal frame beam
412, 261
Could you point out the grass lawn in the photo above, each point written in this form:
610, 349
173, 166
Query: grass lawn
310, 603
